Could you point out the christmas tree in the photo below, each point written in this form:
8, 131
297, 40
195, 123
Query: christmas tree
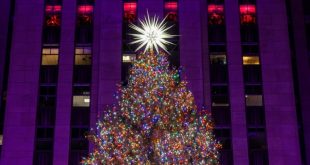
155, 120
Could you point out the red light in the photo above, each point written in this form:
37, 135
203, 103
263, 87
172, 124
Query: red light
171, 6
215, 14
85, 9
130, 7
247, 14
247, 9
215, 8
53, 20
50, 8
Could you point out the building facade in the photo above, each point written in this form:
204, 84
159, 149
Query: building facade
247, 61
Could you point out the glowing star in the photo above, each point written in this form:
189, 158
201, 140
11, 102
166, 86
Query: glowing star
151, 34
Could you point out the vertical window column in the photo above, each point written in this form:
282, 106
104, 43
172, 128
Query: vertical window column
82, 76
172, 18
45, 120
255, 115
128, 54
220, 104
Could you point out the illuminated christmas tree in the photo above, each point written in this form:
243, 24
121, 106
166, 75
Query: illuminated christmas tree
155, 120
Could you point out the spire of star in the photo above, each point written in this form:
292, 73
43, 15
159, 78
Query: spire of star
152, 34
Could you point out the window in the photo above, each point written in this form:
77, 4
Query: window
221, 116
47, 102
250, 60
82, 74
215, 14
220, 101
219, 90
250, 48
84, 29
252, 74
217, 48
81, 101
81, 96
83, 56
51, 30
247, 14
218, 59
254, 100
80, 116
52, 17
130, 11
48, 74
257, 146
253, 89
255, 117
171, 10
50, 56
223, 135
249, 33
217, 34
127, 58
47, 105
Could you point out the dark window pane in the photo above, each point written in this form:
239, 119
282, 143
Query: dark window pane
252, 74
220, 100
43, 157
49, 74
80, 117
84, 35
76, 156
47, 102
250, 49
258, 157
46, 117
223, 135
226, 157
51, 35
253, 89
249, 34
217, 34
255, 117
82, 74
217, 48
221, 116
78, 133
219, 90
45, 133
218, 73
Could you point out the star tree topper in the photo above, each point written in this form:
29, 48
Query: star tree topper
151, 34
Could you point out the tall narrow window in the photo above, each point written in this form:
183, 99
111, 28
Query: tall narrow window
220, 103
171, 14
130, 11
82, 78
254, 104
84, 28
46, 111
51, 31
171, 9
128, 54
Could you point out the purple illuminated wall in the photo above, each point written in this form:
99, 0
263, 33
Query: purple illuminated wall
279, 100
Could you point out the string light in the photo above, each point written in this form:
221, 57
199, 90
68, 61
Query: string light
155, 120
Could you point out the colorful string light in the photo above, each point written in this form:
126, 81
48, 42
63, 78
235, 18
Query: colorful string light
155, 121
